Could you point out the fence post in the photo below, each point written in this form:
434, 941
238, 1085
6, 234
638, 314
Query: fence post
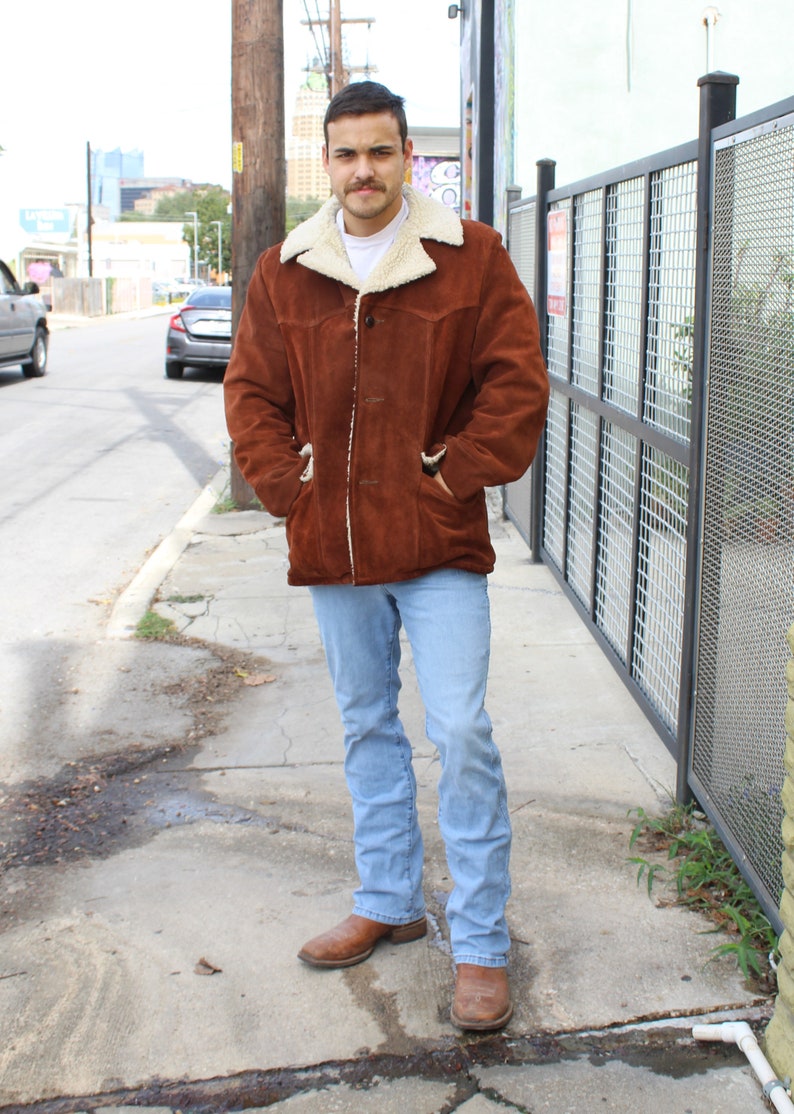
779, 1036
717, 106
545, 184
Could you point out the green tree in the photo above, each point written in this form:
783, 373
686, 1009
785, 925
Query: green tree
212, 204
300, 209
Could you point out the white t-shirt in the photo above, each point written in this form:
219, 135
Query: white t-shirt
364, 252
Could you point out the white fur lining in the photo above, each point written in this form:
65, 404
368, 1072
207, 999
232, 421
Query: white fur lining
318, 245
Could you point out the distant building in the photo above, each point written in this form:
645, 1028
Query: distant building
107, 170
139, 249
305, 175
141, 195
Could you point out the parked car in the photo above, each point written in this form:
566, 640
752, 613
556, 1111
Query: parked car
24, 335
200, 334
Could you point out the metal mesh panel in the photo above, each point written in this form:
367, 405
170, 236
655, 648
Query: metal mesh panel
557, 332
661, 558
620, 555
671, 299
613, 591
518, 503
586, 289
623, 310
521, 238
747, 601
582, 501
555, 476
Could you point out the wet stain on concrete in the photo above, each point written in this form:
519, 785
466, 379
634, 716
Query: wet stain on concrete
96, 807
666, 1051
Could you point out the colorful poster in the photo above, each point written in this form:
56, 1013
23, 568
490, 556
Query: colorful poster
557, 263
438, 177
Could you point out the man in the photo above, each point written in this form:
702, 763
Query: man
386, 370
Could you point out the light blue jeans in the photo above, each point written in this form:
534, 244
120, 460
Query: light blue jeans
447, 621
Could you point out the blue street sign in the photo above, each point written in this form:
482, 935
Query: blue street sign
44, 220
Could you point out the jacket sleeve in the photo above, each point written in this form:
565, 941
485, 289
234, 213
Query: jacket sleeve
499, 440
260, 402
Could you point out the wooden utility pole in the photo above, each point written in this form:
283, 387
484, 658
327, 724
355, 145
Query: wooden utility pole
259, 170
333, 65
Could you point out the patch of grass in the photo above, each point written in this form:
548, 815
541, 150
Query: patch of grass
707, 879
185, 599
153, 627
225, 505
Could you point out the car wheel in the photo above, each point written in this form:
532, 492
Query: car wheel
38, 355
173, 370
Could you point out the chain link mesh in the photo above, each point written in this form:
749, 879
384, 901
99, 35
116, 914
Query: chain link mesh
671, 297
622, 335
521, 240
747, 599
613, 602
555, 478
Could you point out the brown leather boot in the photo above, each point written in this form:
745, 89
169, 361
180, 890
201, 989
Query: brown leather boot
482, 998
354, 940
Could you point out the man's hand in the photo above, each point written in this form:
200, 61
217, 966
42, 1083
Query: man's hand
440, 481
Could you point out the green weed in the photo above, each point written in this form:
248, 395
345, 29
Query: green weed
225, 505
707, 879
153, 627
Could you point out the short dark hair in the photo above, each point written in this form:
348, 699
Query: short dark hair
362, 98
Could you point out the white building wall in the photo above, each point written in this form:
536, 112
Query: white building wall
600, 84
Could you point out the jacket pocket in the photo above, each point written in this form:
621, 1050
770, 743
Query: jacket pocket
305, 556
451, 530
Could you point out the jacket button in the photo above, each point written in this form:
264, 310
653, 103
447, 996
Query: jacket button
369, 321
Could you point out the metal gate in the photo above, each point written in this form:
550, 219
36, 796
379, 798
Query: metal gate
663, 494
617, 436
746, 599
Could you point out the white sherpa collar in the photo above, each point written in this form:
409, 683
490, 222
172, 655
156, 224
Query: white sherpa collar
318, 245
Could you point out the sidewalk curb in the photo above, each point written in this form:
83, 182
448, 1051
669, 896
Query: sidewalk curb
59, 322
134, 601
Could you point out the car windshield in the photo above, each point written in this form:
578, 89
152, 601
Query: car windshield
212, 297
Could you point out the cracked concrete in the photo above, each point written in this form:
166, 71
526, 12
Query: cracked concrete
243, 850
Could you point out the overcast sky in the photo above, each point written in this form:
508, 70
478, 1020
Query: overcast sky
156, 76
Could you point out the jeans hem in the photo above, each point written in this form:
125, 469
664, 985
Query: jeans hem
481, 960
381, 918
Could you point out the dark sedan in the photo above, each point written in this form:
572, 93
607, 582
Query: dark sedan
200, 334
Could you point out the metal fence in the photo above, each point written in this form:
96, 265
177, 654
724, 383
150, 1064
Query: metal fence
670, 435
746, 599
617, 435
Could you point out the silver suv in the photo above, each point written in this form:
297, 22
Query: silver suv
23, 325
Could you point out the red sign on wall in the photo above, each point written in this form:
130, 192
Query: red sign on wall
557, 263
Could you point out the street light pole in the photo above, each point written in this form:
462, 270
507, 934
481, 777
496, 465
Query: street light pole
195, 243
220, 249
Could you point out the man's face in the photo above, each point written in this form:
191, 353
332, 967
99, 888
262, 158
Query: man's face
366, 163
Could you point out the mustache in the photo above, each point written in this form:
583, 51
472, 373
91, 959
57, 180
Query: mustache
370, 184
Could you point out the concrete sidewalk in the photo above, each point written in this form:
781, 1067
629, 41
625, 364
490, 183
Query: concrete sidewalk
56, 322
253, 855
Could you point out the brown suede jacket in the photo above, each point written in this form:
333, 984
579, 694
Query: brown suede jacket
342, 395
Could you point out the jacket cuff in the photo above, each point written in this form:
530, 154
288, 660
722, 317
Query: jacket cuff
430, 462
308, 472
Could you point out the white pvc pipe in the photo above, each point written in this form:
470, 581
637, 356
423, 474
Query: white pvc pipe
740, 1034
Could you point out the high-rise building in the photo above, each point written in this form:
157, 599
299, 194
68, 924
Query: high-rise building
305, 175
107, 170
